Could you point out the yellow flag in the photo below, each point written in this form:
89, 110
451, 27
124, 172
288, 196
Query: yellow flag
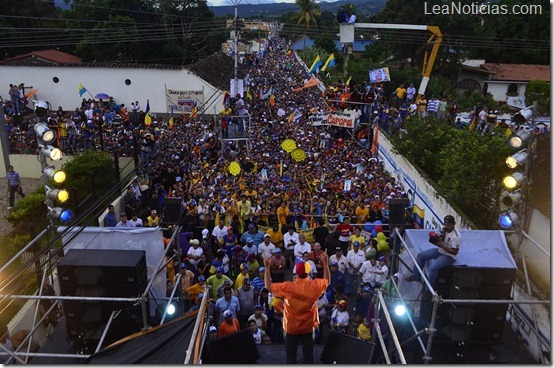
291, 117
148, 120
348, 81
193, 112
171, 122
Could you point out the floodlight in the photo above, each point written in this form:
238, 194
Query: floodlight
510, 199
62, 214
51, 152
44, 133
512, 181
58, 176
516, 159
507, 220
41, 108
517, 140
61, 195
523, 115
400, 310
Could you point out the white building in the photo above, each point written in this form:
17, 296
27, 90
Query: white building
58, 82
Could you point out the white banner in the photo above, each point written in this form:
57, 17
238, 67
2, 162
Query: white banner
345, 121
516, 102
183, 101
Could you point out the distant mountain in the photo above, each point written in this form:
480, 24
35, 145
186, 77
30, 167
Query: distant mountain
61, 4
363, 7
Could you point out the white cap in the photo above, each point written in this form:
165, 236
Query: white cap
205, 233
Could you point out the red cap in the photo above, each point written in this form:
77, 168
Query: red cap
301, 269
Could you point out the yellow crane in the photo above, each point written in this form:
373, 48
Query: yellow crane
347, 36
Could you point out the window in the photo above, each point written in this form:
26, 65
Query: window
128, 82
55, 79
513, 89
469, 84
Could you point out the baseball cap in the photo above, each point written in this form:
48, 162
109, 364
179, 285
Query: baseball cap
205, 233
267, 236
449, 219
258, 306
244, 266
277, 250
367, 289
382, 259
300, 268
250, 241
194, 242
201, 278
338, 248
246, 282
213, 329
154, 211
251, 226
262, 269
335, 264
342, 303
227, 314
356, 244
227, 282
123, 214
219, 269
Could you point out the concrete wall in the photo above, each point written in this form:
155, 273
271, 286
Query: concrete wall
428, 204
498, 90
29, 167
146, 83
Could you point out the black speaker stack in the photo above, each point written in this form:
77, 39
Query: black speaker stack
398, 211
172, 211
102, 273
472, 323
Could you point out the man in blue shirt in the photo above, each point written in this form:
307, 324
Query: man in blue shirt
14, 185
110, 220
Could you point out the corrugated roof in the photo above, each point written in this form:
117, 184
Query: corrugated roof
517, 72
540, 191
217, 69
50, 55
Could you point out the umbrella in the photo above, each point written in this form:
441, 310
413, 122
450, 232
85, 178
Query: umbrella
102, 96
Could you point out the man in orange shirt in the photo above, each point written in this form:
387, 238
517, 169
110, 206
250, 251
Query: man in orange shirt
301, 314
229, 325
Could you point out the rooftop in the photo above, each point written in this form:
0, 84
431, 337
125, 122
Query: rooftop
48, 56
517, 72
217, 69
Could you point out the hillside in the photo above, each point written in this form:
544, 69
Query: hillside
363, 7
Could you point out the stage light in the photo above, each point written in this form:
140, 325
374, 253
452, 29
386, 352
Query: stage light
41, 108
171, 309
58, 176
61, 195
51, 152
509, 200
517, 140
44, 133
523, 115
516, 159
62, 214
507, 220
400, 310
512, 181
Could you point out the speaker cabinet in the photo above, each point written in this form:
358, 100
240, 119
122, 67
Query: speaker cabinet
398, 210
172, 211
102, 273
345, 349
238, 348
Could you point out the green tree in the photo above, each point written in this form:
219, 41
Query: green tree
325, 42
96, 164
307, 13
538, 90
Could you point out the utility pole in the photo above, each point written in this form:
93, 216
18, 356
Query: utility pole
236, 48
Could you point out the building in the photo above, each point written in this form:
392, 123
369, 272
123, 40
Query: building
500, 80
203, 83
305, 42
251, 25
46, 56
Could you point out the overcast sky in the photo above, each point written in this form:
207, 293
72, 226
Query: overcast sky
252, 2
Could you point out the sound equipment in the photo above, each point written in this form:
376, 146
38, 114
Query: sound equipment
101, 273
172, 211
345, 349
398, 211
238, 348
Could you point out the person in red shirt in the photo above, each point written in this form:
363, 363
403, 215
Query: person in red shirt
229, 325
300, 315
345, 230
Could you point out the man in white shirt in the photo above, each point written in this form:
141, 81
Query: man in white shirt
220, 231
339, 259
410, 93
194, 252
290, 239
123, 221
382, 273
135, 220
300, 248
266, 248
368, 270
250, 247
355, 259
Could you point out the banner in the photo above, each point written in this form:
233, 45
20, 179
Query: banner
379, 75
344, 121
183, 101
516, 102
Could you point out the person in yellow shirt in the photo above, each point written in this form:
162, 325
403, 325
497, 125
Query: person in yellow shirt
362, 212
241, 276
357, 236
153, 220
282, 213
276, 236
244, 207
363, 332
195, 290
225, 120
400, 94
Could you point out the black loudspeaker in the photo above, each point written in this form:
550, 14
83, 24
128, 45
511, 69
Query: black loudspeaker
345, 349
101, 273
238, 348
398, 211
172, 211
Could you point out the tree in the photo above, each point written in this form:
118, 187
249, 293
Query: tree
307, 13
538, 90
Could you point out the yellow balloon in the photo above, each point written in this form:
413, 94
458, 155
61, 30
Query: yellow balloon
381, 236
288, 145
298, 155
382, 245
234, 168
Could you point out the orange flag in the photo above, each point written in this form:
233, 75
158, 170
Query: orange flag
311, 83
272, 100
375, 138
291, 117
